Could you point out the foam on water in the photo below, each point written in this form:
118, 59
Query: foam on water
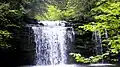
61, 65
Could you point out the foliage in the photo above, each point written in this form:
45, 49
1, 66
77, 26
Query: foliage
53, 13
65, 10
8, 18
6, 15
92, 59
4, 35
106, 16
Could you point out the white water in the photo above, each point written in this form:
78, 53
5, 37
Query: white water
52, 41
98, 41
61, 65
106, 34
77, 65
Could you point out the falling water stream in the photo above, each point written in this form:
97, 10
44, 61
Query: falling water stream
52, 40
99, 49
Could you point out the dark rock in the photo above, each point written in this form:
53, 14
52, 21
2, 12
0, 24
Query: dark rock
41, 24
30, 20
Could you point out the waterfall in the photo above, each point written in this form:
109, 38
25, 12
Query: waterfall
97, 37
98, 41
52, 40
106, 34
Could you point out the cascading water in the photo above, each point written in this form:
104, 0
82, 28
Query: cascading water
97, 37
106, 34
52, 42
98, 43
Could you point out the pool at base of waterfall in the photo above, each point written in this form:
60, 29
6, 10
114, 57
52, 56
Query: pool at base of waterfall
75, 65
60, 65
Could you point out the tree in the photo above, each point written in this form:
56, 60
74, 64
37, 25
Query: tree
11, 18
106, 16
71, 10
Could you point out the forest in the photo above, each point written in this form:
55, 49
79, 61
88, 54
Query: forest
90, 18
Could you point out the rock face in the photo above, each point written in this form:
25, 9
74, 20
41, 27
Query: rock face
22, 51
27, 39
26, 50
30, 20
